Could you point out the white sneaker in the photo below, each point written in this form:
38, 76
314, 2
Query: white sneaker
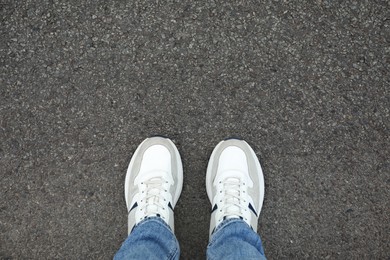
154, 181
234, 183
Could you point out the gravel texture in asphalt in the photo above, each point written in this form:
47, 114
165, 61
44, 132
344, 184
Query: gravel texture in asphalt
306, 83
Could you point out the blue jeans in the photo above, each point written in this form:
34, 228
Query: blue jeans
153, 239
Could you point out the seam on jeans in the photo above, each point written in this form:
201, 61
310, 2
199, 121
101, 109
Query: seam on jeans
172, 255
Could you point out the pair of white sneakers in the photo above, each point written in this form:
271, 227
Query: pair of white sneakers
154, 180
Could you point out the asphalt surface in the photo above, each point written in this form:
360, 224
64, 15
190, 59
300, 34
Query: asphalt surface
307, 83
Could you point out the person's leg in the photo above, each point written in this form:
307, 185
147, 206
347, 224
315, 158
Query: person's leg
234, 239
153, 185
235, 187
150, 239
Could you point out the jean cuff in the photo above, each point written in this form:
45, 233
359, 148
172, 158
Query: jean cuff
227, 222
152, 219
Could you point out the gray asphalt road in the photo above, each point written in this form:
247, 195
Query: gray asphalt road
307, 83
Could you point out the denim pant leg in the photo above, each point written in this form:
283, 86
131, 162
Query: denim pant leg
152, 238
235, 239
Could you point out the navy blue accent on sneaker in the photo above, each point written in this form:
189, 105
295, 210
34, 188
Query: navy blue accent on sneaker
253, 209
162, 136
134, 206
132, 228
214, 208
233, 138
170, 205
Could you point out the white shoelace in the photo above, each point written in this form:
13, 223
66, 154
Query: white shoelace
153, 202
233, 202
